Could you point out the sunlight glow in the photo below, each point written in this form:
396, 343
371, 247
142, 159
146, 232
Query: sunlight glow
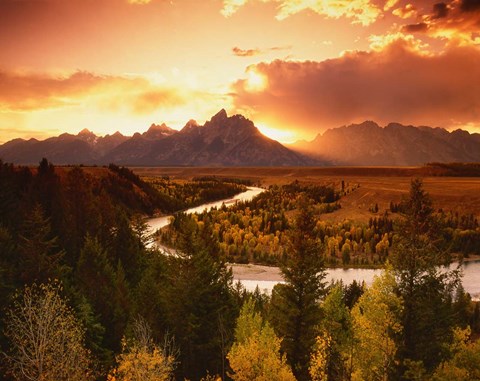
255, 81
283, 136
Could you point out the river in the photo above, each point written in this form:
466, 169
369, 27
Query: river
159, 222
266, 278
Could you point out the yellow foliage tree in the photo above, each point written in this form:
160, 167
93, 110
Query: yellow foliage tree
142, 359
46, 340
320, 358
376, 318
465, 362
255, 355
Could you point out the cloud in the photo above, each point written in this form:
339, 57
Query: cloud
29, 92
414, 28
363, 12
470, 5
232, 6
396, 83
245, 52
390, 4
141, 2
440, 10
408, 41
457, 21
406, 12
256, 51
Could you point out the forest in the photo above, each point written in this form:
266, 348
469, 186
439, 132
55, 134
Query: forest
257, 231
85, 297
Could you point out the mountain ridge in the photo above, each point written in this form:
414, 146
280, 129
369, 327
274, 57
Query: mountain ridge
395, 144
236, 141
222, 141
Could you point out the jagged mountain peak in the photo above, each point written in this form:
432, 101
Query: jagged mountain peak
158, 131
117, 134
191, 125
219, 116
158, 127
85, 132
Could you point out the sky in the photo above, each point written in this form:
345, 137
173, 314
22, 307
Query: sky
294, 67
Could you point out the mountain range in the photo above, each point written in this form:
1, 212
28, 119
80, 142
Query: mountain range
235, 141
368, 144
222, 141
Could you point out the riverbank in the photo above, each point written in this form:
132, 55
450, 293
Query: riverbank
255, 272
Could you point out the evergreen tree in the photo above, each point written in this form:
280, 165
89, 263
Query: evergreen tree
200, 292
40, 258
418, 252
295, 311
105, 289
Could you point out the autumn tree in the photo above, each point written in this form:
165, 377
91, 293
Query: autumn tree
464, 363
333, 350
417, 254
295, 310
255, 354
376, 322
142, 359
46, 340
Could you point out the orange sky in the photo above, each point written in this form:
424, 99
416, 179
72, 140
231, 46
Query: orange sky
295, 67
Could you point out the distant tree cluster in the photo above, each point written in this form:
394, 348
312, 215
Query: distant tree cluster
257, 230
179, 195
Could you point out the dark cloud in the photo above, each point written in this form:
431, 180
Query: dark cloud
456, 21
414, 28
470, 5
397, 83
440, 10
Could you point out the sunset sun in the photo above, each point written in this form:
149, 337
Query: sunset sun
255, 81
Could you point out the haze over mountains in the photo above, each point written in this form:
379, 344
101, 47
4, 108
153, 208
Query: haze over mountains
235, 141
393, 145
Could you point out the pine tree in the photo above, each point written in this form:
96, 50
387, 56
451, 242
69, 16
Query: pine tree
417, 253
40, 258
200, 292
295, 311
